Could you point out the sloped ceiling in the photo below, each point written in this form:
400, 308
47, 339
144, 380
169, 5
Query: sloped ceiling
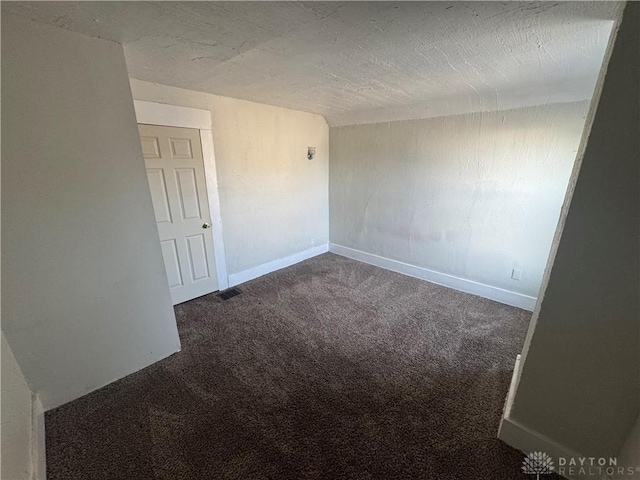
356, 62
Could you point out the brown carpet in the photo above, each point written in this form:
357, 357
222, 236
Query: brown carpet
330, 369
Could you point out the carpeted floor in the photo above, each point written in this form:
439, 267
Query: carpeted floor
330, 369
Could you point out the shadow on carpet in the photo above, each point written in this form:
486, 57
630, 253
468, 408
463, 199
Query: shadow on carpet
330, 369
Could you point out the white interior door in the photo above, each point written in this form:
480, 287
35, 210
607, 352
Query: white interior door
175, 170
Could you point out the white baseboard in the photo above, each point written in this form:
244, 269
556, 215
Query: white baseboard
527, 440
38, 452
515, 378
255, 272
469, 286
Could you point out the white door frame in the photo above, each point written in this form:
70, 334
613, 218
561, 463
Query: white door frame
151, 113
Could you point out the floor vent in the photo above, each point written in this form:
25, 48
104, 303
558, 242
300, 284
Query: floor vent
229, 293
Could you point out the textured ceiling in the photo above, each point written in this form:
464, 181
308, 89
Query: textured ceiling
356, 62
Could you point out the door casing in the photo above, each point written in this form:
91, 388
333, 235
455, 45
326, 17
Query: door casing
152, 113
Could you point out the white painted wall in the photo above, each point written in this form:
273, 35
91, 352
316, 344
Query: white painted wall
16, 419
85, 296
474, 196
274, 202
580, 380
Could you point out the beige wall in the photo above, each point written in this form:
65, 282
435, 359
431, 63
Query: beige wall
580, 380
274, 202
85, 296
16, 419
474, 196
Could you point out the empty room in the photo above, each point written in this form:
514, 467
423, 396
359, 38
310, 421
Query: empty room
320, 240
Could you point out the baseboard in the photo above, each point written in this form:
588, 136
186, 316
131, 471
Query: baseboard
527, 440
515, 377
468, 286
38, 451
258, 271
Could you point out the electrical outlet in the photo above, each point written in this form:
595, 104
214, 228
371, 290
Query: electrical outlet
516, 274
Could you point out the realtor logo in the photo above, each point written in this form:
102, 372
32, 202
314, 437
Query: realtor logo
537, 463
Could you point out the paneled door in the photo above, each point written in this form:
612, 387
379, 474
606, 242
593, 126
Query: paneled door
175, 170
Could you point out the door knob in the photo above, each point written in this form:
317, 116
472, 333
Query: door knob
206, 225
